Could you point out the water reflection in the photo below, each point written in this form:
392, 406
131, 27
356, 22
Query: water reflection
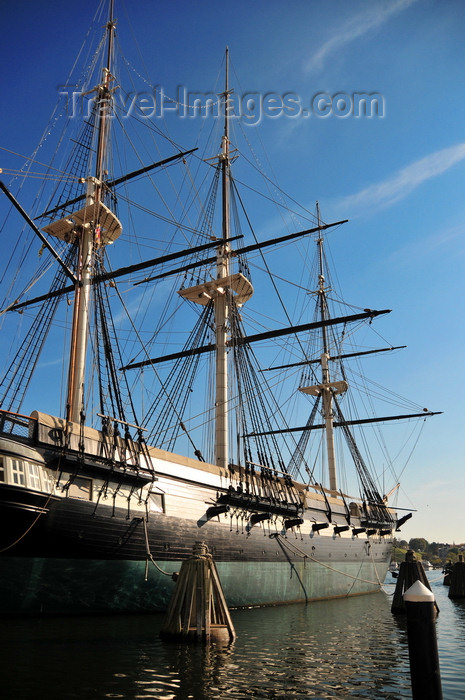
324, 650
335, 649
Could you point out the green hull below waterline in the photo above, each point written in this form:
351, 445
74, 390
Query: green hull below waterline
69, 587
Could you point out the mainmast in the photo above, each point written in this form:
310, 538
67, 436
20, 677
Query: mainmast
327, 388
226, 289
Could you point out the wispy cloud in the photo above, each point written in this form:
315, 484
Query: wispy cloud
404, 181
370, 19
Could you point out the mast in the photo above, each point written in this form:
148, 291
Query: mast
225, 289
221, 300
327, 388
88, 241
327, 391
91, 228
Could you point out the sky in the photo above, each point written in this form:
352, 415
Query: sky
397, 172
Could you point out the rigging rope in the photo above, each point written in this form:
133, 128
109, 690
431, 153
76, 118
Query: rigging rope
370, 491
18, 375
297, 457
149, 553
295, 550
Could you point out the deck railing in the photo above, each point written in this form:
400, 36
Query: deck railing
16, 424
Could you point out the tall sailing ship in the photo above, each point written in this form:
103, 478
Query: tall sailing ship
98, 508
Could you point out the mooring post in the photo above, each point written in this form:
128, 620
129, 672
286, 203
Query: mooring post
457, 579
197, 610
422, 643
410, 571
447, 573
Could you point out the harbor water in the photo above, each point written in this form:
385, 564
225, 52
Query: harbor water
347, 648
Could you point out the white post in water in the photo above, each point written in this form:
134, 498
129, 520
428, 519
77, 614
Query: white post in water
422, 643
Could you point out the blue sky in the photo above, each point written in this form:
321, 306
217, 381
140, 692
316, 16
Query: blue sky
398, 177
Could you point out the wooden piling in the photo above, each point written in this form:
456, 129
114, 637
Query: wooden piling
410, 571
447, 571
197, 611
457, 579
422, 643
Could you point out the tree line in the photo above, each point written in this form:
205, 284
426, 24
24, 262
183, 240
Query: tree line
436, 552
